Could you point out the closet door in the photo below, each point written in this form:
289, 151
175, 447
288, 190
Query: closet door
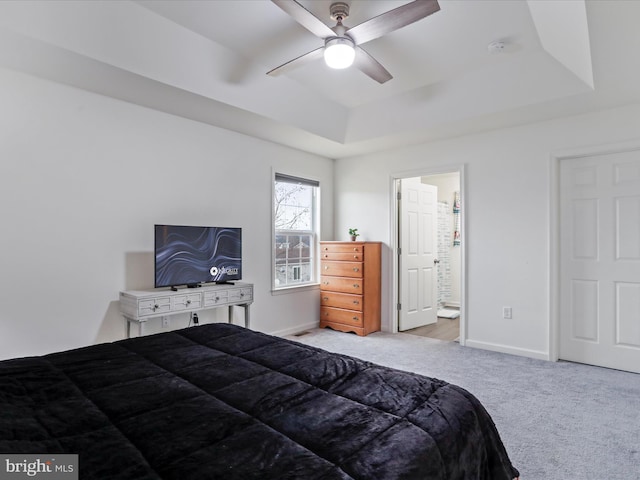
600, 260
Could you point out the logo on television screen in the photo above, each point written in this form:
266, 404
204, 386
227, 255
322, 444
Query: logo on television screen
215, 271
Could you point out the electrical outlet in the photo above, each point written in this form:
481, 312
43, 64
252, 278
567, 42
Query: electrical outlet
507, 313
165, 322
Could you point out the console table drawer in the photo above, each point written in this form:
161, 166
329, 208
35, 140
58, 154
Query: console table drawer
187, 302
216, 298
241, 294
343, 269
154, 306
341, 300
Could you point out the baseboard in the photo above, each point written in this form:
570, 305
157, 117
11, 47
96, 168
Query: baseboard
495, 347
296, 329
452, 304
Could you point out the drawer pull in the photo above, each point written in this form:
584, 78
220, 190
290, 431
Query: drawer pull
188, 302
355, 257
325, 298
355, 249
241, 294
326, 268
356, 302
217, 299
156, 307
355, 318
326, 255
355, 285
356, 269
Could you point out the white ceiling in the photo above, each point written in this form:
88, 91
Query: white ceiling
207, 60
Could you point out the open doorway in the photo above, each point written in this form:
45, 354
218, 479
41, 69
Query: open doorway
429, 255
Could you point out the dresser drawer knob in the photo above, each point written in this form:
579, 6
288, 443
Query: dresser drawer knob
356, 302
356, 269
188, 302
325, 298
155, 307
355, 285
355, 318
326, 268
355, 249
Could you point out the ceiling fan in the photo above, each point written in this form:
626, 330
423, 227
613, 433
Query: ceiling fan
342, 44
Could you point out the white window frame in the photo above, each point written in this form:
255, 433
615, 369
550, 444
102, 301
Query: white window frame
315, 234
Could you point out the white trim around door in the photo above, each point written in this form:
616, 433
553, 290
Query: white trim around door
554, 231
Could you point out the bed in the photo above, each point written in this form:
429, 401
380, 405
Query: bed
220, 401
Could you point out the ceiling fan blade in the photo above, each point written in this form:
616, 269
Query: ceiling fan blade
370, 66
305, 18
392, 20
297, 62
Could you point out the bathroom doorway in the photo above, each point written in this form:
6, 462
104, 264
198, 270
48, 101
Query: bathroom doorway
415, 296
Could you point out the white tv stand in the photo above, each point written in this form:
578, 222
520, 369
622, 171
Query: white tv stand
138, 306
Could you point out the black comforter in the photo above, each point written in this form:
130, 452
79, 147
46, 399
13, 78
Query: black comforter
222, 402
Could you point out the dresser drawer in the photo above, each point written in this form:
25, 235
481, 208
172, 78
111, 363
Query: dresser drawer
338, 315
341, 300
341, 284
342, 256
341, 248
342, 269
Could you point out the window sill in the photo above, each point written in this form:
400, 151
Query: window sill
295, 289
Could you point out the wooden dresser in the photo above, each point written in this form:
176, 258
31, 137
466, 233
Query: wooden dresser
350, 286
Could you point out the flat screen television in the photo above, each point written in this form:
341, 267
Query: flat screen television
191, 256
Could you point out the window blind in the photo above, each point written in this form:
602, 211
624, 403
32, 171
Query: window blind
281, 177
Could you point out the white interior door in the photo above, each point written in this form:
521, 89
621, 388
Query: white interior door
418, 247
600, 260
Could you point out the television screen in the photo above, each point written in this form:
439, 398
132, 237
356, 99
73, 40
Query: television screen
186, 255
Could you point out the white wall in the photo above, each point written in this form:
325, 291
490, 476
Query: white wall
508, 191
83, 179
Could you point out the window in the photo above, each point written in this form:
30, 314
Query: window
295, 213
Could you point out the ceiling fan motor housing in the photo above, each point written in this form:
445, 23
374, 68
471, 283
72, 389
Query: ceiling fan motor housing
339, 11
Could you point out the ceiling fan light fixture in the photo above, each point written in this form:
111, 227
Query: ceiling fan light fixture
339, 52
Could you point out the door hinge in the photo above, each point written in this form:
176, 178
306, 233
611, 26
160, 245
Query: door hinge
399, 306
399, 195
